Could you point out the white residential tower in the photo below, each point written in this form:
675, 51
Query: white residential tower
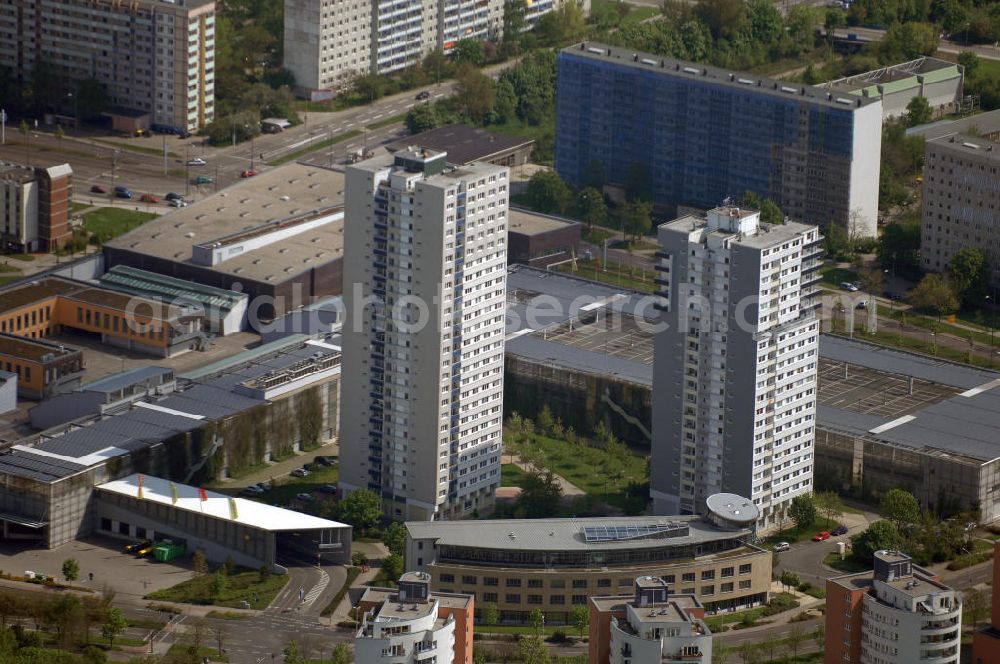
425, 276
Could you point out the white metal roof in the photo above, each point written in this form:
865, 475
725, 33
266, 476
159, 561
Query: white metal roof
249, 512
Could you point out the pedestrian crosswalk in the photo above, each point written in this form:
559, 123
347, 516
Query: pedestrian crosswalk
317, 590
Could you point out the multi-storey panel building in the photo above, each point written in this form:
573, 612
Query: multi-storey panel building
734, 378
961, 199
425, 260
327, 42
895, 614
690, 135
156, 56
34, 207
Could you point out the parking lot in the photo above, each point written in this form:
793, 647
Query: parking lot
619, 336
873, 392
100, 556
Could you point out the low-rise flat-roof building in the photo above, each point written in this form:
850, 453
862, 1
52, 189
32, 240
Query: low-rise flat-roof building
147, 507
225, 311
897, 613
938, 81
466, 144
8, 391
42, 368
651, 625
278, 237
539, 240
103, 397
412, 625
262, 404
557, 564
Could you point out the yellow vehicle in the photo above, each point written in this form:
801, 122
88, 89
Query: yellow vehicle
135, 546
146, 550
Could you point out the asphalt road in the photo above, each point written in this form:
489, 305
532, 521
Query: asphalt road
945, 46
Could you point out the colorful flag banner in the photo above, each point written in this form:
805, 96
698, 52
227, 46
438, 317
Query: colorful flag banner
233, 514
173, 493
141, 478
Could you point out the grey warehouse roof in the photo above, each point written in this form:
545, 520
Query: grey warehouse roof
561, 534
119, 381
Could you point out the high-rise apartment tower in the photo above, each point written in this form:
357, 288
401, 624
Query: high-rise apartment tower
425, 276
734, 378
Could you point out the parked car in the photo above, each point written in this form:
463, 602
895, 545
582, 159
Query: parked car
98, 189
173, 197
135, 546
197, 161
423, 95
821, 536
300, 472
839, 530
326, 460
307, 497
328, 488
861, 305
892, 295
252, 490
848, 286
178, 202
123, 192
203, 179
782, 546
262, 486
248, 173
150, 198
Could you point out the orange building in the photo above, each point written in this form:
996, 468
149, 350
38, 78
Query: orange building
39, 309
986, 641
43, 368
411, 624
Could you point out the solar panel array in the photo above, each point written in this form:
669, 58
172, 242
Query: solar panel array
621, 533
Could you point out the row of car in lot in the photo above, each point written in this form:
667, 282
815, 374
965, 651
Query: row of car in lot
821, 536
261, 488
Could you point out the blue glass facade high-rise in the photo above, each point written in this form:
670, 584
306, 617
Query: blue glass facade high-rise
690, 135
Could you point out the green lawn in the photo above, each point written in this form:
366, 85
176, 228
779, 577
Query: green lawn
385, 122
315, 147
109, 222
848, 565
241, 586
631, 245
24, 258
577, 463
180, 649
511, 475
9, 273
636, 279
834, 276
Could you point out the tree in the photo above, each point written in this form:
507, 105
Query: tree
749, 654
491, 614
579, 616
636, 218
720, 651
114, 625
899, 244
359, 559
71, 569
362, 509
831, 21
423, 117
900, 507
976, 604
341, 654
532, 650
802, 511
220, 582
199, 563
394, 538
789, 579
475, 92
918, 111
819, 636
970, 61
219, 630
970, 274
91, 99
65, 613
368, 86
878, 536
795, 639
469, 50
935, 295
392, 566
536, 619
830, 504
60, 132
513, 20
540, 495
723, 17
591, 208
291, 653
548, 193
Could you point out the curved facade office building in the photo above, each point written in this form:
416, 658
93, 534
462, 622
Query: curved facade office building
557, 564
